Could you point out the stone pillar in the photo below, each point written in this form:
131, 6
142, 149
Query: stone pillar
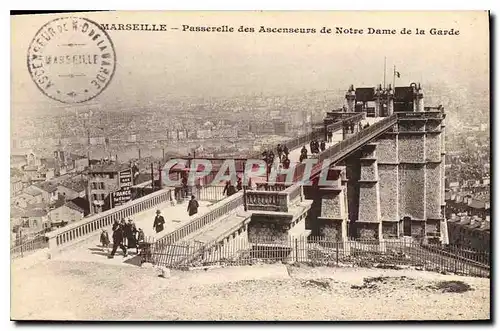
388, 171
378, 101
412, 169
351, 99
420, 99
390, 101
334, 210
369, 217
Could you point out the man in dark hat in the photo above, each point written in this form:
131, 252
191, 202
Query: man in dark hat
285, 151
286, 162
117, 239
279, 149
159, 221
192, 206
322, 145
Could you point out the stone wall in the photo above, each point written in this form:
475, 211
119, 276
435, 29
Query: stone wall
387, 151
353, 168
261, 228
369, 207
330, 206
369, 170
433, 193
331, 230
412, 191
443, 185
411, 148
433, 125
411, 126
433, 147
389, 185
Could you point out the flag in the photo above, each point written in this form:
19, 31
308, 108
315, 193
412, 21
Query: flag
397, 74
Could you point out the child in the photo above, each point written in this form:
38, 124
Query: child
105, 240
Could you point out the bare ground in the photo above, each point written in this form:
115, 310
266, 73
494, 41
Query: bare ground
93, 291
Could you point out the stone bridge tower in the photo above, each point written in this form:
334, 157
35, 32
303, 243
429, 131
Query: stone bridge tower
394, 185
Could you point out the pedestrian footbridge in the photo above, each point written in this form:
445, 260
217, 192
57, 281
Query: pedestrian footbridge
220, 219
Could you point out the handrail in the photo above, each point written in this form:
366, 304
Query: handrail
92, 224
341, 149
219, 209
426, 114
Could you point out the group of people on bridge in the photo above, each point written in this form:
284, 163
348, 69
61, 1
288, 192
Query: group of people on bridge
230, 188
350, 127
281, 160
315, 148
125, 236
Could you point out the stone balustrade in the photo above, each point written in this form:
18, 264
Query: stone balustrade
89, 226
273, 200
219, 209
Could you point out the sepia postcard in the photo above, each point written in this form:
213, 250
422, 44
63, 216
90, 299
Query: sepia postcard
250, 166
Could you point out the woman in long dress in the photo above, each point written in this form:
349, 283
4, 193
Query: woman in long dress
131, 234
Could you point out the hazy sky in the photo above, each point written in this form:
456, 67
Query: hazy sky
163, 65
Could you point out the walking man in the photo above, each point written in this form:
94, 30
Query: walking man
159, 221
117, 240
192, 206
286, 151
279, 149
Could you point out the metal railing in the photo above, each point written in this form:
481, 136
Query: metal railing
219, 209
90, 225
346, 146
316, 133
29, 246
211, 193
317, 251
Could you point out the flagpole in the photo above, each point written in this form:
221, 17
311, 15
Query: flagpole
385, 64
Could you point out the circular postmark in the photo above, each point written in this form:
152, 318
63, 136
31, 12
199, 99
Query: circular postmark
71, 59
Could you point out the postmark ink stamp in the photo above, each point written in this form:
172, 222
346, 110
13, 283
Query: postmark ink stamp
71, 59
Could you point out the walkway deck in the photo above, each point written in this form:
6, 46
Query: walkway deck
175, 217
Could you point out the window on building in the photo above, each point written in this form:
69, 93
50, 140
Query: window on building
101, 186
111, 176
35, 223
94, 186
94, 197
